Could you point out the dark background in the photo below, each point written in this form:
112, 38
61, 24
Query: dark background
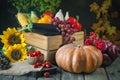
75, 7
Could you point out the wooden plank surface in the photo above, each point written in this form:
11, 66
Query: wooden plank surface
2, 77
110, 73
113, 70
56, 76
71, 76
24, 77
99, 74
52, 77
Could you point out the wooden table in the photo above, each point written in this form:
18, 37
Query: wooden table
109, 73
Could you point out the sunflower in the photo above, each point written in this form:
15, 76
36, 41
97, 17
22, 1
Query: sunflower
11, 36
16, 53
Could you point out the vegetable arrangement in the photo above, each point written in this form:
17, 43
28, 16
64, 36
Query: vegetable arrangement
52, 23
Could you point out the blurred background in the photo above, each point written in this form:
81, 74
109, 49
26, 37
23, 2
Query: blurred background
75, 7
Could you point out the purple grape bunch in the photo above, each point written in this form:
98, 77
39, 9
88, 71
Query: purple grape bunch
109, 50
66, 30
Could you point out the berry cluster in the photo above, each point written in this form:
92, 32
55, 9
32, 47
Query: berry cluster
109, 50
35, 54
67, 28
94, 40
46, 64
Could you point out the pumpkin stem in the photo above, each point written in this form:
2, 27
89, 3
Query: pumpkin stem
78, 46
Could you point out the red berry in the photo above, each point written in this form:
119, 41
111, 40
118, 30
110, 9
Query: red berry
39, 64
47, 64
43, 65
31, 55
46, 74
34, 53
38, 53
35, 66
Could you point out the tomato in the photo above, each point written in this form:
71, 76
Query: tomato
49, 14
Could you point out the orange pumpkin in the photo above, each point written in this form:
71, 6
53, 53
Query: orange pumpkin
78, 59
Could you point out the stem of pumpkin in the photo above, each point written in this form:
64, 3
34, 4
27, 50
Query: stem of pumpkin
78, 46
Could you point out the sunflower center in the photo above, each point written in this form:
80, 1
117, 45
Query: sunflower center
13, 39
16, 54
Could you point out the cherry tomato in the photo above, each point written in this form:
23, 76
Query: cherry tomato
46, 74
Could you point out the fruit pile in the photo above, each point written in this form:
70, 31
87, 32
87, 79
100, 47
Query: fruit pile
68, 26
109, 50
35, 58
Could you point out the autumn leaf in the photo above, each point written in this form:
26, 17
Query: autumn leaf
94, 7
111, 30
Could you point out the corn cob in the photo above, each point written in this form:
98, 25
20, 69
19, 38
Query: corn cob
23, 19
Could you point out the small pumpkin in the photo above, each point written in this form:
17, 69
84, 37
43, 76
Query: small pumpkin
78, 59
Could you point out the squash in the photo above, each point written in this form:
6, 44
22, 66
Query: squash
76, 59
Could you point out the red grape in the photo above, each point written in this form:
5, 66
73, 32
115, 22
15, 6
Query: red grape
66, 29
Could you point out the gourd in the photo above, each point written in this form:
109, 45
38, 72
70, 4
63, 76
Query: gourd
76, 59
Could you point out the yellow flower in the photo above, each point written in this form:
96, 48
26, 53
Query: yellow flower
16, 53
11, 37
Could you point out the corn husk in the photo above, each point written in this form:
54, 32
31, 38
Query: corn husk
23, 19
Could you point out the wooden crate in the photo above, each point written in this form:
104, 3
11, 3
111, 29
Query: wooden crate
48, 45
50, 42
42, 41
